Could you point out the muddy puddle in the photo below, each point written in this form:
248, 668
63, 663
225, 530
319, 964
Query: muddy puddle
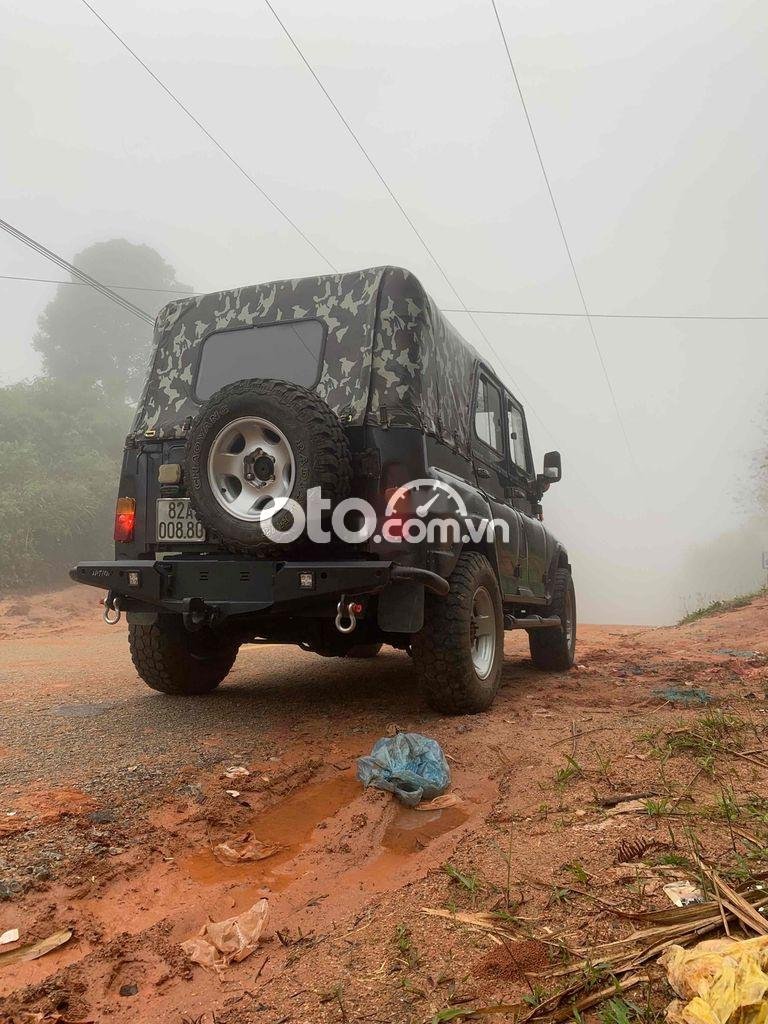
302, 821
290, 825
412, 831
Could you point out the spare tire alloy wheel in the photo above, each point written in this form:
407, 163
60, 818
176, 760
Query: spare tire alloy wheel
251, 469
255, 444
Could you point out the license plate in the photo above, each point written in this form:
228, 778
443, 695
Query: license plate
177, 522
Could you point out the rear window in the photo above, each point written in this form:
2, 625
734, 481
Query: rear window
287, 351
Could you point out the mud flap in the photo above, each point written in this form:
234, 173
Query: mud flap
401, 608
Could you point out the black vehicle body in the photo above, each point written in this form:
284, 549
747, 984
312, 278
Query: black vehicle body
415, 403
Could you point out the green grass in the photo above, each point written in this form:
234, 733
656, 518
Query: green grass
471, 883
717, 607
570, 771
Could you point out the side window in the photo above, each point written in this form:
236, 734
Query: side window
488, 418
517, 438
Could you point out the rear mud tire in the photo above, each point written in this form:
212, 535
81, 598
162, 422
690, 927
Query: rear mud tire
172, 660
443, 650
317, 440
553, 650
364, 651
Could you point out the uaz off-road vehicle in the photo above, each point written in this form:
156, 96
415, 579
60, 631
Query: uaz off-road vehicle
357, 385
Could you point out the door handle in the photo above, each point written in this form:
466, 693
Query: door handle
483, 473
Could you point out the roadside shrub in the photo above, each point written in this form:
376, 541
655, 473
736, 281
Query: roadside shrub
60, 451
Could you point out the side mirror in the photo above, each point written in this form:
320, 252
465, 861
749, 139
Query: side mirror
553, 471
553, 467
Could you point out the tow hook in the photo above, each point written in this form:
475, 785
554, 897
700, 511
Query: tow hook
347, 610
111, 604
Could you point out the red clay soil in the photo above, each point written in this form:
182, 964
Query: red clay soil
113, 799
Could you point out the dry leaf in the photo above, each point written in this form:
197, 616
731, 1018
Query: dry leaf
35, 949
628, 807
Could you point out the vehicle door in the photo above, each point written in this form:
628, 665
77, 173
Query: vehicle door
490, 457
524, 500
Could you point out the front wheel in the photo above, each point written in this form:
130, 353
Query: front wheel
553, 650
459, 652
171, 659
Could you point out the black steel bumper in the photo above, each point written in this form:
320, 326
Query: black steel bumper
239, 586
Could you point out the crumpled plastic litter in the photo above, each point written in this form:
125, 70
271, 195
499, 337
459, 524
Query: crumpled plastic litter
410, 765
245, 848
220, 943
723, 980
684, 893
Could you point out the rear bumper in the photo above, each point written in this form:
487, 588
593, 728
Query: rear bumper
241, 586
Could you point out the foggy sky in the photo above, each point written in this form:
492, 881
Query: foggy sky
651, 121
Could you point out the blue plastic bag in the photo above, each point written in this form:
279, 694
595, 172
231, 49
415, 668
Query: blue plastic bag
407, 764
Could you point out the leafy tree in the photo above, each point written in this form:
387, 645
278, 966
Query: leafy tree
60, 448
85, 338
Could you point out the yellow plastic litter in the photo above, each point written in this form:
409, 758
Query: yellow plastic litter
723, 980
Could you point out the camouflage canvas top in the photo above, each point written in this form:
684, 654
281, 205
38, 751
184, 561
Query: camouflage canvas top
390, 357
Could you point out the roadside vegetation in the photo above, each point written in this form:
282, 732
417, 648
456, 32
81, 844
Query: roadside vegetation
61, 435
718, 607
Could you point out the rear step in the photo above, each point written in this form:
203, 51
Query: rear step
531, 622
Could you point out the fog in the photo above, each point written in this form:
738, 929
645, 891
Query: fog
650, 119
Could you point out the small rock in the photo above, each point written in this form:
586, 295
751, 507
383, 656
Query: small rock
103, 817
9, 889
41, 873
129, 990
195, 790
96, 849
51, 854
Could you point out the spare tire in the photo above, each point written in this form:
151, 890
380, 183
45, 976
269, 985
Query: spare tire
255, 444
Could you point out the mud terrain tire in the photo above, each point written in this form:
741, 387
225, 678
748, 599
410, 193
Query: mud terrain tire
363, 651
443, 650
171, 659
552, 650
318, 443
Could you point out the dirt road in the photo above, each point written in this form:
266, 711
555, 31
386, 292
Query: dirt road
113, 798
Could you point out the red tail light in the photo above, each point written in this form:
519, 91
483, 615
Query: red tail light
125, 519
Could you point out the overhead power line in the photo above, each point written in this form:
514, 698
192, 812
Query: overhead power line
478, 312
562, 233
610, 316
353, 134
122, 287
81, 275
212, 138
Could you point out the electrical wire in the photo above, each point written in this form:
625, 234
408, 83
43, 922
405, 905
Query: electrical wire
478, 312
438, 265
122, 287
612, 316
81, 275
212, 138
563, 235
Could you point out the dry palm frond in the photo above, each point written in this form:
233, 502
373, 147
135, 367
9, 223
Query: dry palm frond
482, 920
635, 849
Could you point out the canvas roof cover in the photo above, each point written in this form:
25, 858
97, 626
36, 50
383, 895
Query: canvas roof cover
390, 358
